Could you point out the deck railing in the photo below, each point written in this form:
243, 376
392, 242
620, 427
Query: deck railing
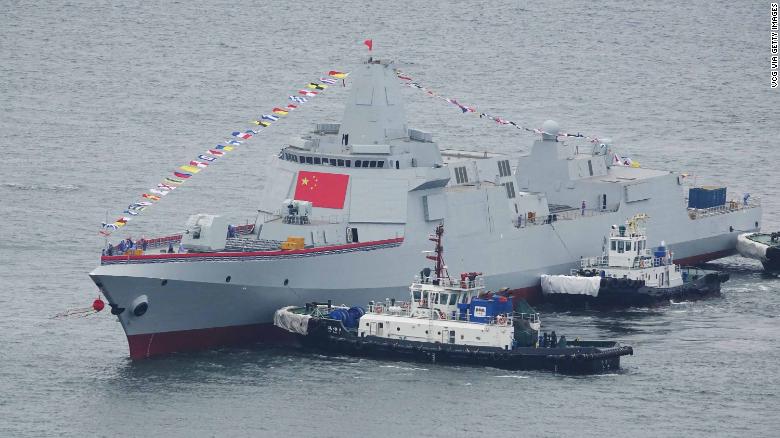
564, 215
728, 207
164, 241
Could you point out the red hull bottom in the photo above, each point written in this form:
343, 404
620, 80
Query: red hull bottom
156, 344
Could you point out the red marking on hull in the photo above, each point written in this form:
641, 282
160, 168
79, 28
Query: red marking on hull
233, 255
703, 258
531, 294
156, 344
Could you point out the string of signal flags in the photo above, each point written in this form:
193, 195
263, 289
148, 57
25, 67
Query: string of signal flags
202, 161
617, 160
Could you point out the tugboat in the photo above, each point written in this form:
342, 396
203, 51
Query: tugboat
448, 321
630, 274
764, 247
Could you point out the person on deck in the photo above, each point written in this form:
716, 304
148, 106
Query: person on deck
110, 250
583, 208
144, 244
170, 247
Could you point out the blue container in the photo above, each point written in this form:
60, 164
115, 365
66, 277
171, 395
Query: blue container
706, 197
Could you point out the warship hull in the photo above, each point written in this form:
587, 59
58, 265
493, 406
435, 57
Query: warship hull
193, 305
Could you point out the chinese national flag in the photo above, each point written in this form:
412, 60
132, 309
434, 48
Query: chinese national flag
326, 190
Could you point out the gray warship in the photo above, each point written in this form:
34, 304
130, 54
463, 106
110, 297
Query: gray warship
348, 209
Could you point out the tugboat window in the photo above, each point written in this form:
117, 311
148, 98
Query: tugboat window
416, 295
614, 247
620, 246
453, 299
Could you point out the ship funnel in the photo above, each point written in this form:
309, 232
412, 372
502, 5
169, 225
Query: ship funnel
374, 113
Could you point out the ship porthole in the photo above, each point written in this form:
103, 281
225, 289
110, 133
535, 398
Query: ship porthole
164, 282
286, 281
227, 279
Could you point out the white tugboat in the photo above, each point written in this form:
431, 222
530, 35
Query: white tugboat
451, 321
764, 247
629, 273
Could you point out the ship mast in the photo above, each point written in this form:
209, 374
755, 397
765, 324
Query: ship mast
438, 257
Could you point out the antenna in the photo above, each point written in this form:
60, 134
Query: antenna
440, 268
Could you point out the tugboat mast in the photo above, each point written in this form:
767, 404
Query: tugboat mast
440, 268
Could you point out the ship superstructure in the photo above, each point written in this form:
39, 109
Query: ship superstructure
348, 208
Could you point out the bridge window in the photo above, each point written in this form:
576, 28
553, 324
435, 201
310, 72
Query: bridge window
333, 162
628, 246
358, 163
372, 164
453, 299
317, 160
614, 245
590, 167
348, 162
460, 175
380, 164
339, 163
503, 168
309, 160
621, 246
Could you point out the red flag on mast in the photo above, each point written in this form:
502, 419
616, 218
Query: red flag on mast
369, 44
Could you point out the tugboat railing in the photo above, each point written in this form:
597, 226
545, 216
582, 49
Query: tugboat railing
405, 309
602, 262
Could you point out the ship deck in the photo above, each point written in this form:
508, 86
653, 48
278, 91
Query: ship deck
765, 239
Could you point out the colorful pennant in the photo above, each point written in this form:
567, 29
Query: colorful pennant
202, 161
409, 82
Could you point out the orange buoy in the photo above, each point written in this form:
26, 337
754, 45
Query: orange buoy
98, 304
